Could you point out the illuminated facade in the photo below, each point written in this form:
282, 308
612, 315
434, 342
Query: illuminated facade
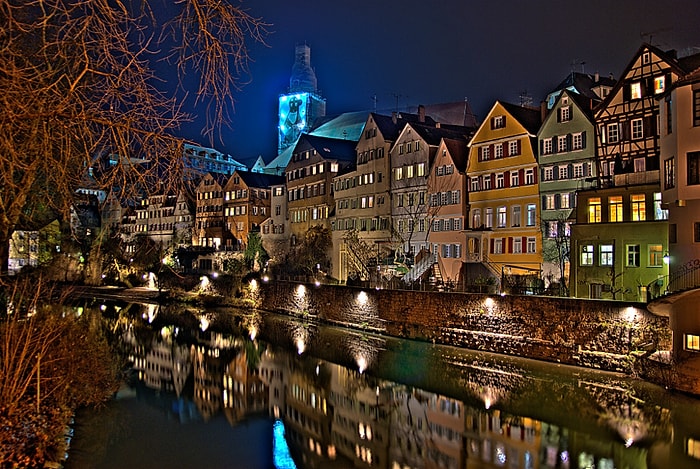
504, 193
302, 105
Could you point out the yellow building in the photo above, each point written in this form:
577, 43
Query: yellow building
504, 196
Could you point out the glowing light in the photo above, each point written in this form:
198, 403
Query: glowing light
151, 313
204, 282
362, 364
253, 333
487, 403
301, 346
489, 303
103, 307
300, 291
629, 442
203, 323
214, 274
253, 285
317, 283
282, 459
630, 314
362, 298
266, 279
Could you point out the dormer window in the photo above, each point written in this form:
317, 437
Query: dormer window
564, 113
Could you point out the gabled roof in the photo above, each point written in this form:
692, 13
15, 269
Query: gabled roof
331, 148
529, 118
278, 165
433, 135
259, 165
459, 152
220, 178
391, 126
260, 180
346, 126
583, 84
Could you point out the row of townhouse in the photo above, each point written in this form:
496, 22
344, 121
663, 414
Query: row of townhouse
568, 194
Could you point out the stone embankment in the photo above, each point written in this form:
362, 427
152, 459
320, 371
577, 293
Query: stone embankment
599, 334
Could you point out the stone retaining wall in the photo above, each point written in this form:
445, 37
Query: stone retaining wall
591, 333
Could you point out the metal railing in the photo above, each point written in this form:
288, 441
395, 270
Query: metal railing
686, 277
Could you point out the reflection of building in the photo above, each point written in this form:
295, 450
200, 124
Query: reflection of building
208, 380
166, 366
302, 105
244, 392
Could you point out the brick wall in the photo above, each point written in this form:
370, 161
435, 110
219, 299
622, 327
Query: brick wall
592, 333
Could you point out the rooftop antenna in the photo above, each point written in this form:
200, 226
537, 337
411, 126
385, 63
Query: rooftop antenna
651, 34
374, 102
396, 97
525, 99
575, 63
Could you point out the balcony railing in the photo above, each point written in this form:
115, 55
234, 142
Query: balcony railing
686, 277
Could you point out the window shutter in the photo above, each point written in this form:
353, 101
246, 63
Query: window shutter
555, 144
506, 179
523, 244
534, 176
557, 201
541, 146
625, 133
521, 176
479, 154
510, 245
583, 139
569, 139
519, 147
492, 243
493, 180
559, 114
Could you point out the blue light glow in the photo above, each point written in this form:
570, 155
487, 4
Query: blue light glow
281, 457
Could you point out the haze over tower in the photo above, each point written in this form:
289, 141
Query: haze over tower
302, 105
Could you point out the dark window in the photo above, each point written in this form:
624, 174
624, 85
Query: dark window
696, 232
693, 168
696, 108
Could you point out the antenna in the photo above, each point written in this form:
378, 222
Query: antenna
525, 99
374, 102
575, 63
652, 33
396, 97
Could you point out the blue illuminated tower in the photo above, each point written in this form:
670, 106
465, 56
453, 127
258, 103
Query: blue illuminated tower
302, 105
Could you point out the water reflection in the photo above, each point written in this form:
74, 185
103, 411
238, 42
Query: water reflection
345, 399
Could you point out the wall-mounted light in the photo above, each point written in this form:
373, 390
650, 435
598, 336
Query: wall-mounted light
667, 258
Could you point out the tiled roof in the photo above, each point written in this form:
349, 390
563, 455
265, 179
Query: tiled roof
530, 118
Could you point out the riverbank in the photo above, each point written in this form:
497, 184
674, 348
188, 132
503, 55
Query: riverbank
602, 335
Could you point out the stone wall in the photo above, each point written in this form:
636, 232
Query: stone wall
591, 333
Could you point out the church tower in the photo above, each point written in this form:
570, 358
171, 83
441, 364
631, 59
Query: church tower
302, 105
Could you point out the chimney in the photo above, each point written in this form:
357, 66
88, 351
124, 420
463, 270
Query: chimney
393, 117
421, 113
597, 77
543, 110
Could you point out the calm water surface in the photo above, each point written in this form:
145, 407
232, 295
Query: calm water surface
235, 389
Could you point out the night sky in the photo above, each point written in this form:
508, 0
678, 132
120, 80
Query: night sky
414, 52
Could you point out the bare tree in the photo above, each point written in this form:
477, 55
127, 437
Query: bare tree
79, 81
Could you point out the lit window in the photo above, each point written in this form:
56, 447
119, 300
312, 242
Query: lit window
515, 218
606, 254
633, 255
409, 171
692, 342
488, 215
476, 218
398, 174
638, 207
594, 210
531, 245
485, 153
659, 212
552, 229
615, 209
565, 200
517, 245
420, 167
549, 202
636, 90
587, 254
659, 85
656, 257
531, 214
498, 246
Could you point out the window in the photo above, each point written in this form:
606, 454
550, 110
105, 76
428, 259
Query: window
455, 197
633, 255
696, 232
498, 246
656, 257
561, 144
669, 116
475, 184
615, 209
578, 170
577, 141
498, 150
637, 129
563, 172
696, 108
565, 200
515, 217
639, 212
487, 182
409, 171
549, 202
552, 229
693, 168
547, 146
692, 342
529, 176
659, 85
485, 153
517, 245
594, 210
659, 212
398, 174
587, 252
500, 181
548, 173
420, 167
501, 217
636, 90
512, 148
606, 254
669, 173
565, 114
531, 245
409, 147
531, 214
498, 122
613, 133
514, 179
639, 165
488, 215
476, 218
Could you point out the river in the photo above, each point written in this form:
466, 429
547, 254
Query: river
241, 389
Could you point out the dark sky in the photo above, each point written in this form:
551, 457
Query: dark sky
439, 51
